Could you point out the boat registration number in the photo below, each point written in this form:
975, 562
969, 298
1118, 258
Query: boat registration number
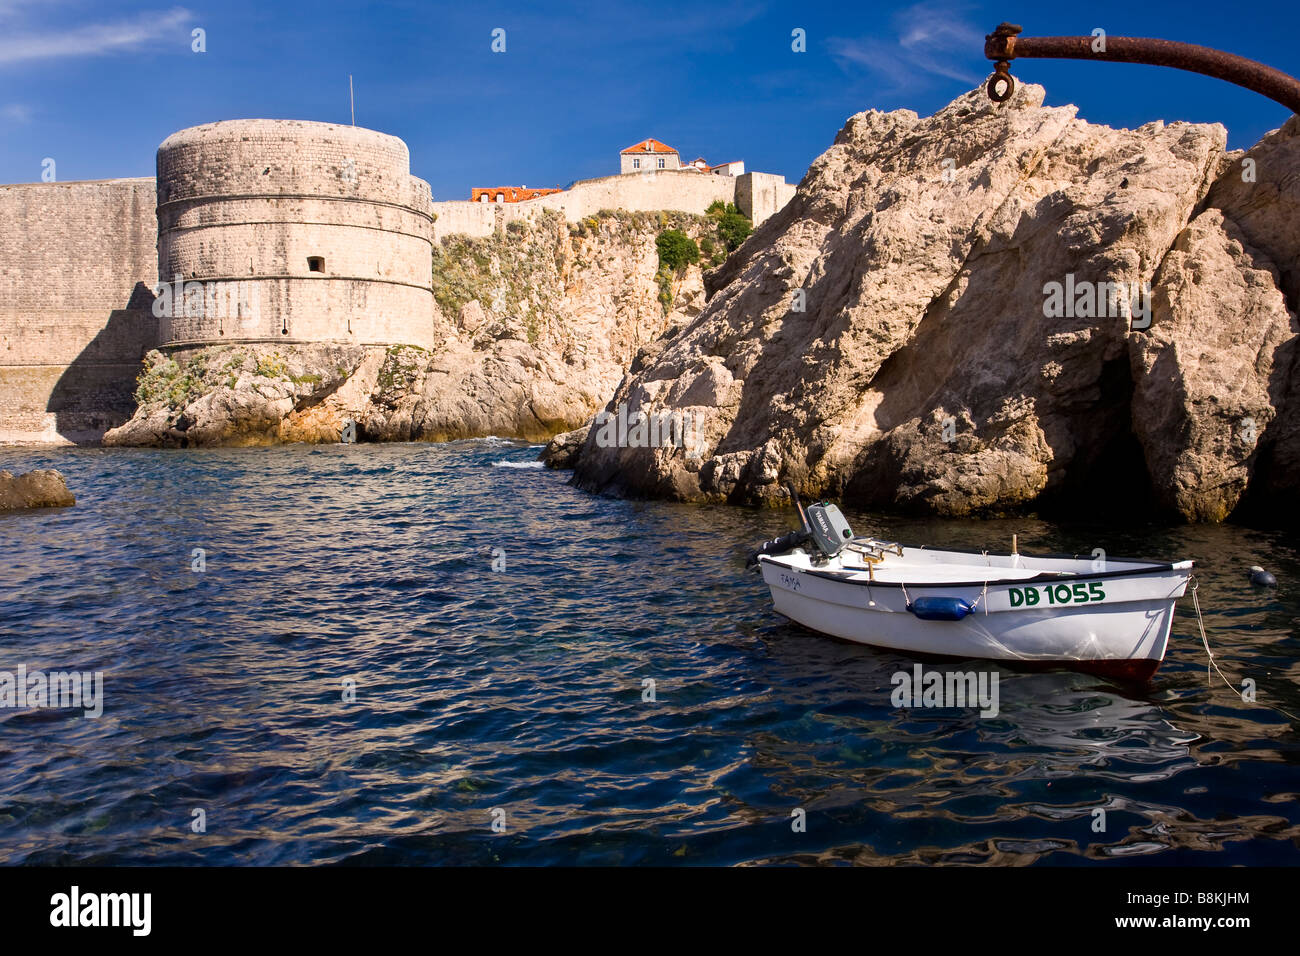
1079, 593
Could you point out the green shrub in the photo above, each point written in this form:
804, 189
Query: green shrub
154, 384
665, 279
183, 389
402, 364
733, 229
272, 366
676, 249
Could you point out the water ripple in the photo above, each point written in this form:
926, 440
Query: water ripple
597, 677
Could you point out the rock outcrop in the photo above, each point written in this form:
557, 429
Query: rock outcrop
535, 329
1259, 196
42, 488
994, 307
242, 395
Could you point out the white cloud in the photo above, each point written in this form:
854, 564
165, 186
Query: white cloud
15, 113
94, 39
927, 38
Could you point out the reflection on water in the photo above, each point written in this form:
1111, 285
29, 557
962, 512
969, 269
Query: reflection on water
522, 690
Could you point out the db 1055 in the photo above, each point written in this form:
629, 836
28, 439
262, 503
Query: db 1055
1079, 593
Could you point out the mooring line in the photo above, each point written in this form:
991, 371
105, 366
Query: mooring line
1200, 622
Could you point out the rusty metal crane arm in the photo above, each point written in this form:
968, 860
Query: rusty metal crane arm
1005, 44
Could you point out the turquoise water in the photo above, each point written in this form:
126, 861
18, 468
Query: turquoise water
516, 696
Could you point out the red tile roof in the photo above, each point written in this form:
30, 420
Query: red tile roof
511, 193
649, 146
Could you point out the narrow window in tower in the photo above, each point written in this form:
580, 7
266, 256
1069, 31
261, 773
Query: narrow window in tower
315, 264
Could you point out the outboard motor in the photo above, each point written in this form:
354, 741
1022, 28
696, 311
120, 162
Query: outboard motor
823, 525
829, 530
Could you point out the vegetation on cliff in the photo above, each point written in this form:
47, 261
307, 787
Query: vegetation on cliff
676, 250
733, 225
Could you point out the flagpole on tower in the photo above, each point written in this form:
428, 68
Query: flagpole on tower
352, 103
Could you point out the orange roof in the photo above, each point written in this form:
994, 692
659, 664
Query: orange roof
649, 146
508, 193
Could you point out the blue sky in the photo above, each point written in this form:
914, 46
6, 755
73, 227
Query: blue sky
97, 85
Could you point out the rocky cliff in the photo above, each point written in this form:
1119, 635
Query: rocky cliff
994, 307
534, 328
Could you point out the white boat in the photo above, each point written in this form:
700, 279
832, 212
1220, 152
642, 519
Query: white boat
1107, 616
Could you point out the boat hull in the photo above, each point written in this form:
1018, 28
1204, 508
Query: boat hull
1122, 633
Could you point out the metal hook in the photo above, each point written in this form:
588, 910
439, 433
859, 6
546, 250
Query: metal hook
1001, 84
1005, 44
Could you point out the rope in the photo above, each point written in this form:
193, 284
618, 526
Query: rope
1200, 622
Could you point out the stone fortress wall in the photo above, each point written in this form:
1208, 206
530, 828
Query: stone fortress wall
757, 195
77, 262
297, 232
279, 230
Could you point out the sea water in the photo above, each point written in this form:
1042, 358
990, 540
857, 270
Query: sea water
425, 654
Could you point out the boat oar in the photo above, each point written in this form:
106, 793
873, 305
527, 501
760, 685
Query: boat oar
794, 496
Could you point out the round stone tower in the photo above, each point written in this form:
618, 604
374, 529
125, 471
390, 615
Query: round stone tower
290, 231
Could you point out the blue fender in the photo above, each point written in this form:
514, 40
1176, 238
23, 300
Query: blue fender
940, 608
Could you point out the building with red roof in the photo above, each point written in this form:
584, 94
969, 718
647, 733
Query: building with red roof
507, 193
649, 155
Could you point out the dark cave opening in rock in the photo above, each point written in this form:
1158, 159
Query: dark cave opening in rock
1107, 477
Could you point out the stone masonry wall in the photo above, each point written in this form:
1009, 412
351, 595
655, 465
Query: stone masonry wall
294, 231
460, 217
76, 263
757, 195
761, 195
